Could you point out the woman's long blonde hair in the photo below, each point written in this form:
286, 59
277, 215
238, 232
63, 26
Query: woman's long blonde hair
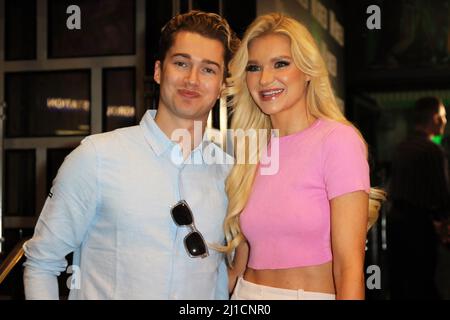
320, 102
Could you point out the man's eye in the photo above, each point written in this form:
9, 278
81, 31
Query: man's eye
281, 64
252, 68
180, 64
210, 70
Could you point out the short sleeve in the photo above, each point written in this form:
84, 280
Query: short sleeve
345, 165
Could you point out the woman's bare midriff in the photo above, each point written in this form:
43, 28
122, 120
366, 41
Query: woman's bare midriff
317, 278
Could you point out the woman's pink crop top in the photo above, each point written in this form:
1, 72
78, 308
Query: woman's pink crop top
287, 217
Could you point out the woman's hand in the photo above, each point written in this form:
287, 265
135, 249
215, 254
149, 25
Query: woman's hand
239, 265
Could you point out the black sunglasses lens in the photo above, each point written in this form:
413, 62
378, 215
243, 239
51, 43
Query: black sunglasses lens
195, 244
182, 214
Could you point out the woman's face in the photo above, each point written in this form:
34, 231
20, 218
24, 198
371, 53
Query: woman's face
273, 80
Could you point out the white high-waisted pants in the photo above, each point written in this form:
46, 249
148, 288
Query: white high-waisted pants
246, 290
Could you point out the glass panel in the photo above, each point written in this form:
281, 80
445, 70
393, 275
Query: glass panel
184, 6
412, 48
55, 158
107, 28
239, 22
206, 5
119, 98
20, 29
216, 115
158, 13
12, 236
48, 103
20, 183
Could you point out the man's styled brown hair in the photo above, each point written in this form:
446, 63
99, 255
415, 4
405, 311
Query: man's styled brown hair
209, 25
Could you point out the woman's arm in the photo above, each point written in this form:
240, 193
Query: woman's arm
239, 265
348, 238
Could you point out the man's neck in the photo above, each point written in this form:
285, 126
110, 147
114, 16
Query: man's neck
188, 133
430, 135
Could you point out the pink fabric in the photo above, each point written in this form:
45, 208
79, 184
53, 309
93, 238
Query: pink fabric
287, 217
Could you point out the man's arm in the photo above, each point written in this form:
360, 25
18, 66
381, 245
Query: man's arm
63, 222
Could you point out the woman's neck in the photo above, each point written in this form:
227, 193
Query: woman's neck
291, 122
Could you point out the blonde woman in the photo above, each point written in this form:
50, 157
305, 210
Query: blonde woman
300, 233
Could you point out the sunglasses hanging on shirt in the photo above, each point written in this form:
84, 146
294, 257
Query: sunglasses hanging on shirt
194, 242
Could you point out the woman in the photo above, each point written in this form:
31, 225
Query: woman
298, 234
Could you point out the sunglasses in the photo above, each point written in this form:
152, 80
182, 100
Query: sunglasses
194, 242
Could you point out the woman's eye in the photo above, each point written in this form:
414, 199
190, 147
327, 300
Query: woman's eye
252, 68
281, 64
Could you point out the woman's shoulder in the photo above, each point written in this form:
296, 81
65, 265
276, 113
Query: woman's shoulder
338, 137
333, 129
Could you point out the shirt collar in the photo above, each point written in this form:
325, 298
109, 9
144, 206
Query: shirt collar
155, 137
158, 140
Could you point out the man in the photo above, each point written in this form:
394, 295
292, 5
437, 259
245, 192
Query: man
137, 208
419, 193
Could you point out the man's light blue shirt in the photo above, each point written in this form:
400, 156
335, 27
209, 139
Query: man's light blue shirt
110, 205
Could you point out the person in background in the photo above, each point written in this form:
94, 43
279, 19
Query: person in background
419, 195
298, 233
131, 203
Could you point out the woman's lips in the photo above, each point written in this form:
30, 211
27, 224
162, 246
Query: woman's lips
270, 94
188, 93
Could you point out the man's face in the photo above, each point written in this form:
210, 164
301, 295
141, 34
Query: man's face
191, 76
440, 121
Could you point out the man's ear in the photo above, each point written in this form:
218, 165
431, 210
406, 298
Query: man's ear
436, 118
157, 72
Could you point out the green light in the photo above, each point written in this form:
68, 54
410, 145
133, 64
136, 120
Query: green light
437, 139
